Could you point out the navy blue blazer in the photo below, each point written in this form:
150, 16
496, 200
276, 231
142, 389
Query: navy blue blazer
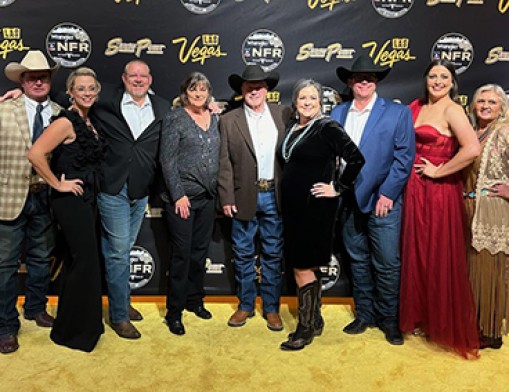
388, 146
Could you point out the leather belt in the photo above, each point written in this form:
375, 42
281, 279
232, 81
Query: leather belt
264, 185
36, 188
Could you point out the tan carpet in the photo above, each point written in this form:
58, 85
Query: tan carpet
214, 357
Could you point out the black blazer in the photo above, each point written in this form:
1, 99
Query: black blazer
127, 159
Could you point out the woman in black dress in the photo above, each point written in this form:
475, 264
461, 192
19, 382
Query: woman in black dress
312, 149
76, 156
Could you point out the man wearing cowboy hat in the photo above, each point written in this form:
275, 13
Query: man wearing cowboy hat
371, 214
248, 188
24, 213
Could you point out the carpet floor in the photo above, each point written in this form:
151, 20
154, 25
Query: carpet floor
214, 357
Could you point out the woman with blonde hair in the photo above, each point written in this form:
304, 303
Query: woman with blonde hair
487, 207
76, 150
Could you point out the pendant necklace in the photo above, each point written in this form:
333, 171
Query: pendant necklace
287, 154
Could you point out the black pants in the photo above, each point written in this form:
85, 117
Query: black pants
189, 243
79, 316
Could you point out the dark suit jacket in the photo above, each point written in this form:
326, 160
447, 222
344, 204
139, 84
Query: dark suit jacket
388, 146
127, 159
238, 170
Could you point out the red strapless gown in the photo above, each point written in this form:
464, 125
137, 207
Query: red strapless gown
436, 296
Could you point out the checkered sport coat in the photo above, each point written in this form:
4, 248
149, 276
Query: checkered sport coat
15, 169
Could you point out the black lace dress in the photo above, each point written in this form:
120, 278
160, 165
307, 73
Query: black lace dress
78, 323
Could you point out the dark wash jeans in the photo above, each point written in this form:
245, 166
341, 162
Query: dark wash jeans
373, 246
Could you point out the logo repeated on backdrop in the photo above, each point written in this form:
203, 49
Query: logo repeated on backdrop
143, 45
12, 41
68, 44
456, 48
263, 47
136, 2
274, 96
390, 52
142, 267
209, 48
5, 3
503, 5
330, 99
330, 275
200, 6
332, 51
458, 3
392, 8
497, 54
329, 4
211, 268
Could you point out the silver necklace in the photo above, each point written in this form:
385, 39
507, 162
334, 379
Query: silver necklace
287, 154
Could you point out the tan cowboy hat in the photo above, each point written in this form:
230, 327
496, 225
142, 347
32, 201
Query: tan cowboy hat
363, 64
34, 60
253, 73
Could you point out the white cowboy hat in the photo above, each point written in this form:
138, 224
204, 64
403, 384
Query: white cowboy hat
34, 60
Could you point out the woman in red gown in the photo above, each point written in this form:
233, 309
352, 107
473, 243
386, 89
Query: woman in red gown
436, 298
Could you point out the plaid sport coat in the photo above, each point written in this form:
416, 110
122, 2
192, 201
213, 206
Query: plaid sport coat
15, 168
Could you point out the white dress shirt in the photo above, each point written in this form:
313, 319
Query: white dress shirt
356, 120
138, 117
264, 135
31, 108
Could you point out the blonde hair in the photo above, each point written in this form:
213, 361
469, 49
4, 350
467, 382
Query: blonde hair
503, 118
82, 71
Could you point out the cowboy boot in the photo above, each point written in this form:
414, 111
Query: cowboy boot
303, 335
318, 323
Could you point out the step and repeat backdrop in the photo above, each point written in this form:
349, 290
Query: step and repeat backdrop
296, 38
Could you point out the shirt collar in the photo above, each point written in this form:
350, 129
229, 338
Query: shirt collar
128, 100
34, 104
251, 113
368, 107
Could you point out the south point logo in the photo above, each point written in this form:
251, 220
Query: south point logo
196, 53
12, 41
389, 52
68, 44
392, 8
200, 6
116, 45
332, 51
497, 54
458, 3
263, 47
142, 267
455, 48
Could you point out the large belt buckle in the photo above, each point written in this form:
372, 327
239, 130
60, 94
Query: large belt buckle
264, 185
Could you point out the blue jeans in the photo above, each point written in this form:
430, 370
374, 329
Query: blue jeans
121, 219
373, 246
34, 225
268, 223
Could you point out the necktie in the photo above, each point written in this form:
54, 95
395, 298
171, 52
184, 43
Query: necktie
38, 127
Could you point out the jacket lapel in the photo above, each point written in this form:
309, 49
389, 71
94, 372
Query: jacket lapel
20, 114
241, 124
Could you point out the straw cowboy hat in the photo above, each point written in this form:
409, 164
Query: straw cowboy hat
362, 64
253, 73
34, 60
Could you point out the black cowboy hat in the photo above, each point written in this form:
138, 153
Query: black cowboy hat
253, 73
362, 64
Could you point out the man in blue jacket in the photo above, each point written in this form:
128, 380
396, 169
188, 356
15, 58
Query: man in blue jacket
371, 215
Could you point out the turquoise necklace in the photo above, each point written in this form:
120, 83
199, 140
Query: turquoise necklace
287, 153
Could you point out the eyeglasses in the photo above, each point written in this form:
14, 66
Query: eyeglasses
30, 78
82, 90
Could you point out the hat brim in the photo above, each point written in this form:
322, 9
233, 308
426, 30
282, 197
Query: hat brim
345, 74
13, 71
235, 81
